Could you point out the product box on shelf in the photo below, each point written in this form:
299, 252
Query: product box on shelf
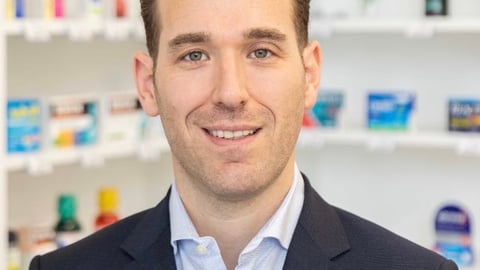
392, 111
326, 111
151, 128
73, 121
35, 240
464, 115
24, 125
153, 140
453, 235
123, 118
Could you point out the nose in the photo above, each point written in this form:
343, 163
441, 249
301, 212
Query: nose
231, 83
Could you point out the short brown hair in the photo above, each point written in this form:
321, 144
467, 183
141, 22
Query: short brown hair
153, 27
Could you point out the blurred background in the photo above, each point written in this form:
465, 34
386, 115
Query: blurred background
394, 136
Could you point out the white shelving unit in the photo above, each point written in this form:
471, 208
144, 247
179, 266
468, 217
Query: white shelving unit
37, 30
3, 169
81, 30
460, 145
426, 27
44, 161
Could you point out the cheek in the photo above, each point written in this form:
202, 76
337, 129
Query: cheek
180, 93
281, 92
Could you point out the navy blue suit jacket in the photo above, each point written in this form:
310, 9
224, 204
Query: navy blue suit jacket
326, 238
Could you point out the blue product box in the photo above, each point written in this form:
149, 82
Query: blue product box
326, 110
23, 125
464, 115
390, 110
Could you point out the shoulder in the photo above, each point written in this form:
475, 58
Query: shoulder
373, 246
99, 250
351, 242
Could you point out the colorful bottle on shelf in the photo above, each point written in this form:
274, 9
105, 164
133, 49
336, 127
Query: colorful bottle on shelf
121, 8
48, 9
436, 7
19, 7
59, 9
13, 257
68, 229
108, 205
9, 9
454, 235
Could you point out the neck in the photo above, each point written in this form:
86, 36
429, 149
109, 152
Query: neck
234, 223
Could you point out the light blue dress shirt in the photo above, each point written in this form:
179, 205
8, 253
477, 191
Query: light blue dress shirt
267, 250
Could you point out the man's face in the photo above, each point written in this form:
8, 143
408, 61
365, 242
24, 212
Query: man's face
231, 89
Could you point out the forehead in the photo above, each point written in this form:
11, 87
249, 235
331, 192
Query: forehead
224, 17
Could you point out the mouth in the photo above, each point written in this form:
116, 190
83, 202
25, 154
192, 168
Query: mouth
232, 134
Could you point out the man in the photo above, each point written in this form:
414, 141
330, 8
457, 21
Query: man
230, 81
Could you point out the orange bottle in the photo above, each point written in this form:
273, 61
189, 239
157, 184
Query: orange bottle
108, 204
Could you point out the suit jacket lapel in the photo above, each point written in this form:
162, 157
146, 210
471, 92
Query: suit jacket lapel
319, 236
149, 243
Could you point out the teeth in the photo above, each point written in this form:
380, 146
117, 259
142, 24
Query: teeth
231, 135
228, 134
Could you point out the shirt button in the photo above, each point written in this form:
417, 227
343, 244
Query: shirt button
202, 249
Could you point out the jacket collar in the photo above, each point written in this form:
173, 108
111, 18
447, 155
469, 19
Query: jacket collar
319, 236
149, 243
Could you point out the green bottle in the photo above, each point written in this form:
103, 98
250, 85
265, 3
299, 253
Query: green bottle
68, 229
436, 7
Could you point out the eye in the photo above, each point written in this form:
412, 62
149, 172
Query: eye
195, 56
261, 53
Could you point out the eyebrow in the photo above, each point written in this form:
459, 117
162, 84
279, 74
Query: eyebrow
202, 37
264, 33
188, 38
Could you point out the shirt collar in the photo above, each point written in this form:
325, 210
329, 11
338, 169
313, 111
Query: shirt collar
280, 226
181, 225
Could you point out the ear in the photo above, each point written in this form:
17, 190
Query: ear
312, 59
143, 71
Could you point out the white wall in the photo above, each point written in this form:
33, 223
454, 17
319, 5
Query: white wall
62, 67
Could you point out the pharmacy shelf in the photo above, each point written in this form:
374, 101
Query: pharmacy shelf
122, 29
426, 27
464, 144
43, 162
40, 30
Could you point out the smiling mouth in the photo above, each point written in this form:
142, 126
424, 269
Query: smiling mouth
232, 135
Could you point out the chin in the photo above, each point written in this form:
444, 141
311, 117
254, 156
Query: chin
238, 187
